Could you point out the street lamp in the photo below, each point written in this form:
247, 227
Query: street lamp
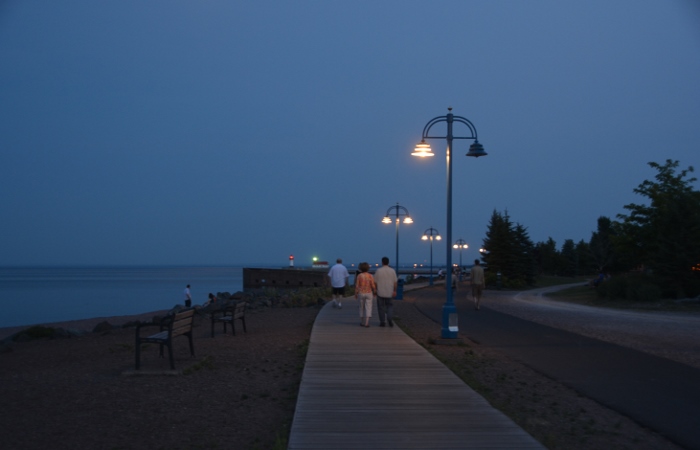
397, 212
431, 233
449, 312
460, 245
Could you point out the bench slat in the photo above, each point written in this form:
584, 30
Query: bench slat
178, 325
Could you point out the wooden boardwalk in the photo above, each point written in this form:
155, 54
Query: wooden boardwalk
375, 388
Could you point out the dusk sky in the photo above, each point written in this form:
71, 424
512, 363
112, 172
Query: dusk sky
232, 132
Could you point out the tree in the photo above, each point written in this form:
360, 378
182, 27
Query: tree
664, 236
509, 251
601, 245
547, 257
498, 243
569, 259
525, 265
585, 264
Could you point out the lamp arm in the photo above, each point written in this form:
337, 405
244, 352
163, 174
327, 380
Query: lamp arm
430, 124
459, 119
398, 211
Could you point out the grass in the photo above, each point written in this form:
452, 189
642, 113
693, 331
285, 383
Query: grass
206, 363
550, 280
583, 295
586, 295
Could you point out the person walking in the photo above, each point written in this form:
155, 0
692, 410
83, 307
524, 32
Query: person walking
365, 290
478, 283
387, 282
453, 279
188, 297
339, 279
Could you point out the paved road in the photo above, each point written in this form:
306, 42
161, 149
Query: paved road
657, 392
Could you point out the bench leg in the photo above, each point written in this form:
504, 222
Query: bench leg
170, 354
189, 336
138, 354
243, 320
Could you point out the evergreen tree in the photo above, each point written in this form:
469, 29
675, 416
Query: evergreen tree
547, 257
664, 235
509, 251
525, 257
601, 246
497, 243
586, 266
568, 259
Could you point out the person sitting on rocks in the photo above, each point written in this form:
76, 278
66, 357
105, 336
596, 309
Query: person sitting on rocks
211, 301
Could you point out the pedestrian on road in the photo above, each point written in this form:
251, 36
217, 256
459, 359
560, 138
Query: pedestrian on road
339, 279
478, 283
188, 297
387, 282
365, 290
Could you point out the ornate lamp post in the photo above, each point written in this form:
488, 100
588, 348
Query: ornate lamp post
460, 245
397, 212
449, 312
429, 234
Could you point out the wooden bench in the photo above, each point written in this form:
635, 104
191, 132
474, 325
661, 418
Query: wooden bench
179, 324
229, 314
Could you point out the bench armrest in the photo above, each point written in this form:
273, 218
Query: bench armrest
144, 325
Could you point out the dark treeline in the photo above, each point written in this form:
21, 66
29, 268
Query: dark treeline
650, 252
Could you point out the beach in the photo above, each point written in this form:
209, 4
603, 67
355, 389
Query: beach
80, 392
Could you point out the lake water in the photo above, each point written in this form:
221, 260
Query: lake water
36, 295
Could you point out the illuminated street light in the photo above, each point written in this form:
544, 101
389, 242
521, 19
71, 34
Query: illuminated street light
450, 328
460, 245
429, 234
397, 212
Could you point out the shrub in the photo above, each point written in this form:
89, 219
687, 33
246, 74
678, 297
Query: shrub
643, 292
613, 289
506, 282
306, 297
37, 332
631, 287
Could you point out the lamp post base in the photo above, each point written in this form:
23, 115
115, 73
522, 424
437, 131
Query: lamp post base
450, 329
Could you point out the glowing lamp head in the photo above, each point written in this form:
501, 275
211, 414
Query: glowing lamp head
423, 150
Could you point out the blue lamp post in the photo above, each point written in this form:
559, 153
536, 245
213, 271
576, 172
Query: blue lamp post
430, 234
397, 212
460, 245
449, 312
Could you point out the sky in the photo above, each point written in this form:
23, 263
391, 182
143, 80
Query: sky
242, 132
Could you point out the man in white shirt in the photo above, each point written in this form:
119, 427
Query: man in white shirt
188, 296
387, 282
339, 279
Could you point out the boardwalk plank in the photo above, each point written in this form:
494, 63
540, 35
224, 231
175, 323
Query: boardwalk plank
376, 388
